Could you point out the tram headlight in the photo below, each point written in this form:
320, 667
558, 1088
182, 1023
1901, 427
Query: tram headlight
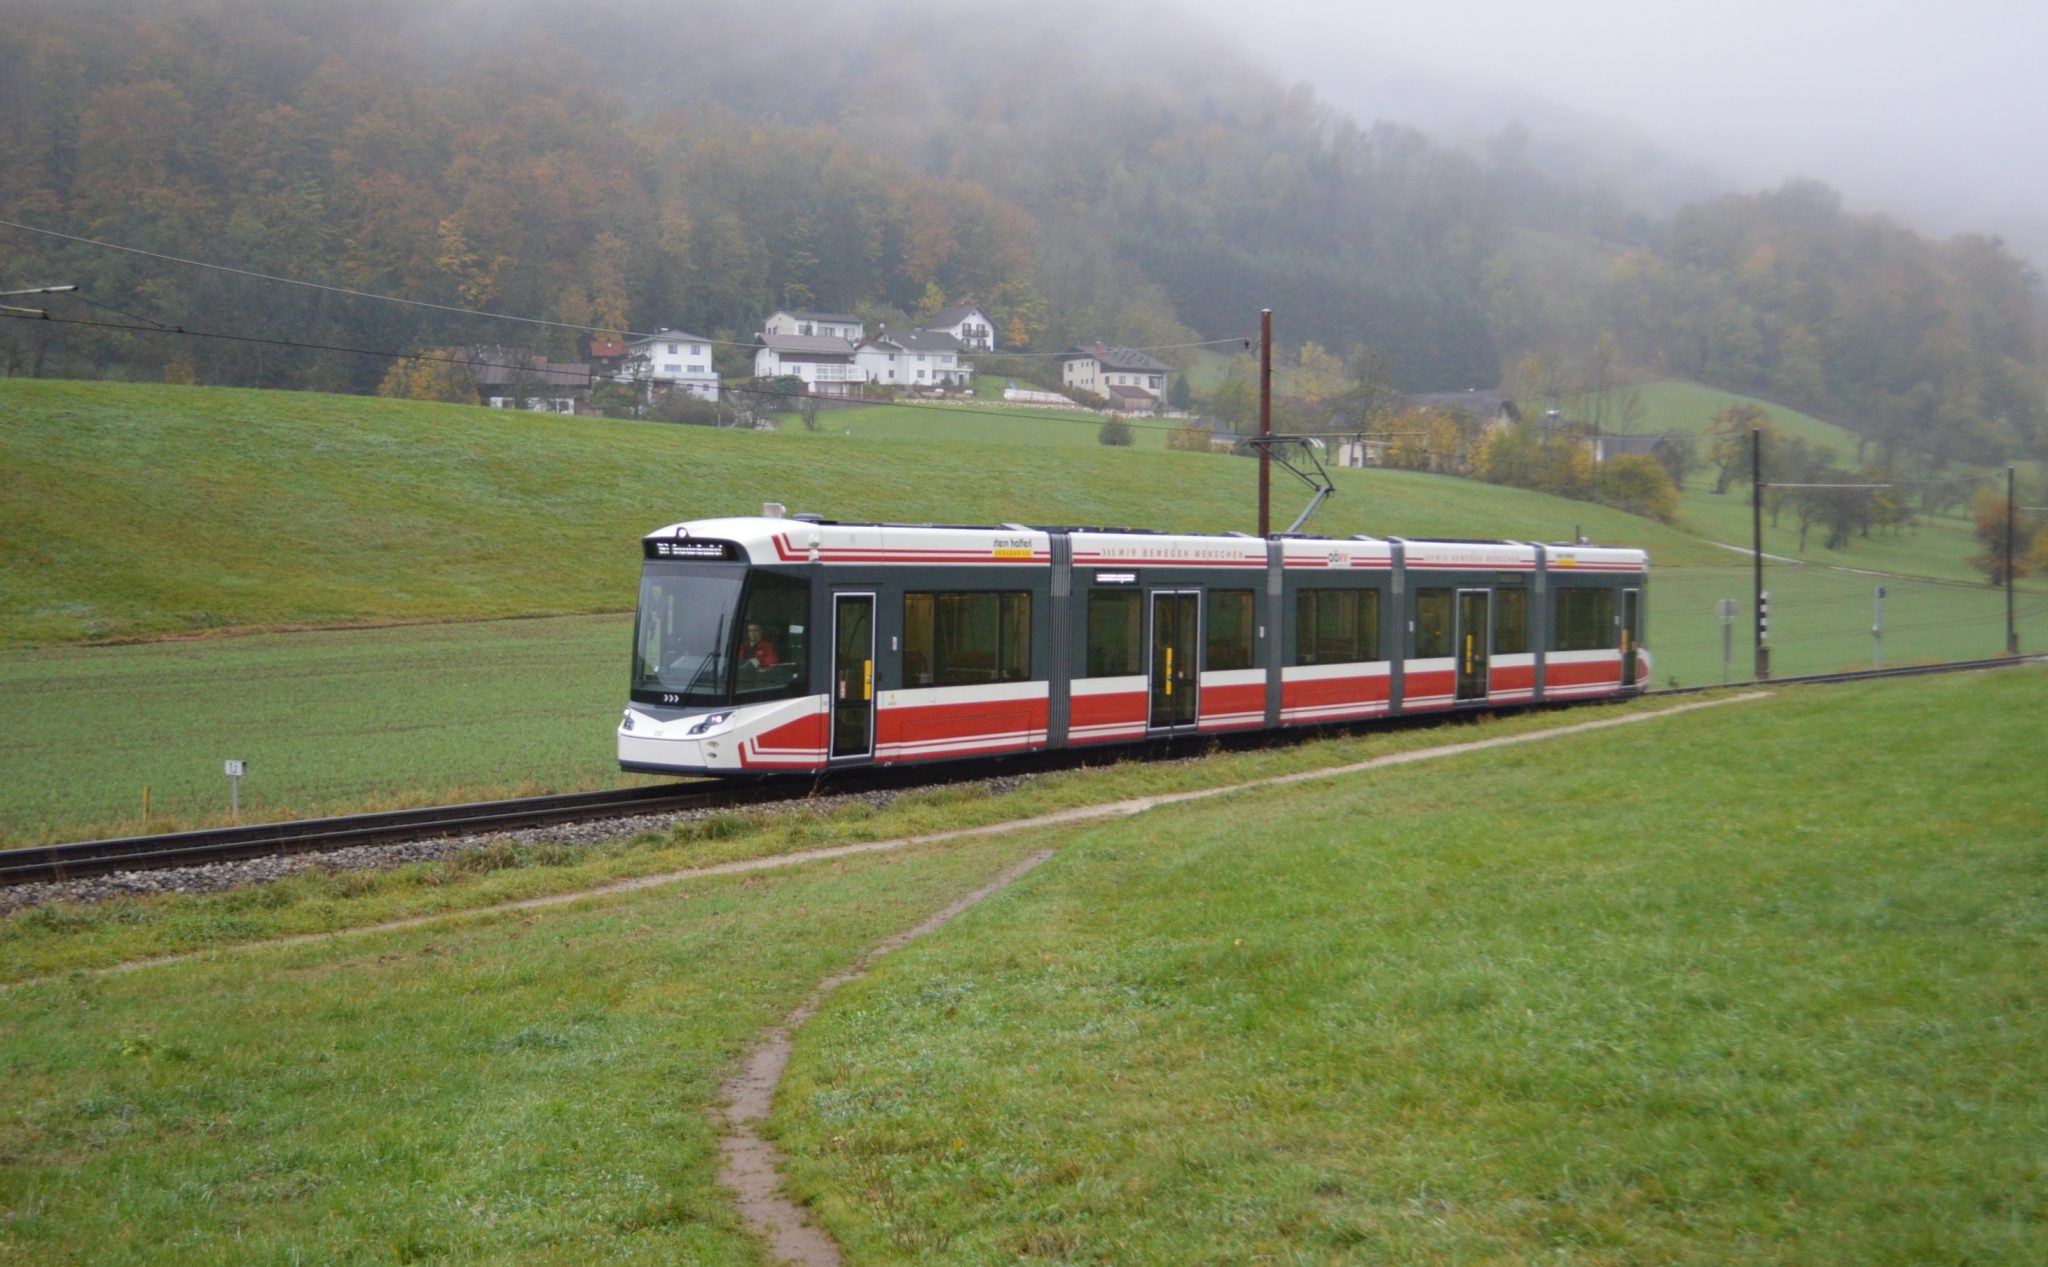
708, 723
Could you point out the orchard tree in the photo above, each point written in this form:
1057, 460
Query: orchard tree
1989, 510
1728, 442
437, 376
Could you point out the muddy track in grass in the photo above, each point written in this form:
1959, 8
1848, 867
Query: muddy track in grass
752, 1164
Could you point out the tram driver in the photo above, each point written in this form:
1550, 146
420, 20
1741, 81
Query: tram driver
756, 652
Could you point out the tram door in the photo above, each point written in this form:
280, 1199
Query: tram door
1631, 630
1475, 625
1176, 633
853, 675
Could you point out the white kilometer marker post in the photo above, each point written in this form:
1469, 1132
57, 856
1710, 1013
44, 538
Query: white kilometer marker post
1726, 610
236, 769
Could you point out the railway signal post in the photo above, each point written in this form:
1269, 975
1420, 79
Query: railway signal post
1756, 512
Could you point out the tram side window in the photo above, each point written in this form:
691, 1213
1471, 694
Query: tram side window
1230, 630
1336, 626
1510, 621
774, 641
1585, 620
1432, 624
1116, 633
966, 639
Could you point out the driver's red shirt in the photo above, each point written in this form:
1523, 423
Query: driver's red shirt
762, 653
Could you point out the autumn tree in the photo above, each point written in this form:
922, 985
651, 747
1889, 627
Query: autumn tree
440, 376
1989, 512
1636, 482
1728, 442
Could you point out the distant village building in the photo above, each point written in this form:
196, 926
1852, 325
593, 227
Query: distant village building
607, 357
968, 323
806, 324
919, 358
509, 379
824, 363
1129, 399
673, 360
1490, 409
1098, 368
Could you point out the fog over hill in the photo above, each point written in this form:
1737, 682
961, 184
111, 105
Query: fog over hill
1927, 114
1449, 200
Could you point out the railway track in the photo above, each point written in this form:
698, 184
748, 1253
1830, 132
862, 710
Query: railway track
84, 859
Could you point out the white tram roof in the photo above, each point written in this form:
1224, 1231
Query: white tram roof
774, 541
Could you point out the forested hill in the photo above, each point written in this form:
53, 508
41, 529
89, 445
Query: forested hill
1085, 172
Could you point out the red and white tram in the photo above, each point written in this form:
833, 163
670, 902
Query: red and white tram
770, 645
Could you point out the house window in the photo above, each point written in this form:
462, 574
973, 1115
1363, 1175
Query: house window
696, 349
697, 369
672, 349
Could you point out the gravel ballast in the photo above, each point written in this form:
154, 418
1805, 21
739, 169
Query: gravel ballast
215, 877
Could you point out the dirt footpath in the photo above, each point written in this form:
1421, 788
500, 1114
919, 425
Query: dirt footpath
752, 1164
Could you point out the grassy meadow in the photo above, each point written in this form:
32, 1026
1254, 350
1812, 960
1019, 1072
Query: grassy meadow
328, 721
339, 720
142, 511
1544, 1003
1689, 408
1778, 1002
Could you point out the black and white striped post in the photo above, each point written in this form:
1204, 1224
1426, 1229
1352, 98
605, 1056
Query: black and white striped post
2012, 565
1756, 504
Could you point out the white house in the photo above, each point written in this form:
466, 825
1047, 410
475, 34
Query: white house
677, 358
967, 323
824, 363
1097, 368
836, 325
920, 358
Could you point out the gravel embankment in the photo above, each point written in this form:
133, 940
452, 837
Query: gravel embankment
217, 876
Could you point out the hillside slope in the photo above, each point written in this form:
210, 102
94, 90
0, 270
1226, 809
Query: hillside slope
138, 511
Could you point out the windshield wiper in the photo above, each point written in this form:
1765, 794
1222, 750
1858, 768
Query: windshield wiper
717, 653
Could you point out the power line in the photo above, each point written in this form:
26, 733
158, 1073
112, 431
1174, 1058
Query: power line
470, 312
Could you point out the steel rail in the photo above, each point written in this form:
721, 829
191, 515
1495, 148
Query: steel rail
82, 859
85, 859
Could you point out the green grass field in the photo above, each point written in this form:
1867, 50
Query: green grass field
1934, 548
139, 511
329, 722
1671, 406
336, 721
1545, 1003
1776, 1001
150, 510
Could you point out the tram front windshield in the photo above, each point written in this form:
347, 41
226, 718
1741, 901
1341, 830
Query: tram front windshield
707, 632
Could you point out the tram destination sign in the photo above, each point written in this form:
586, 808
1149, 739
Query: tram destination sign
697, 551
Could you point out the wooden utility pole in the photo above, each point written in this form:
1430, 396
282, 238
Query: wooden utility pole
1265, 422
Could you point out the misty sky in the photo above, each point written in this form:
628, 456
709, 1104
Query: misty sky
1933, 112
